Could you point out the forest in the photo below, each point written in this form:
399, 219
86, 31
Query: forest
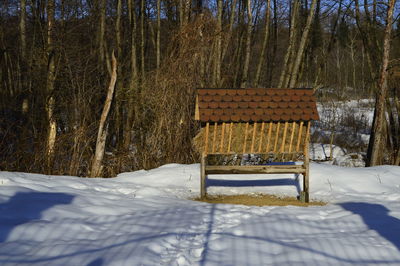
99, 87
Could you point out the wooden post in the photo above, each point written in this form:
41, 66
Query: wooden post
277, 136
206, 137
203, 177
261, 137
306, 176
214, 137
253, 138
269, 136
222, 138
245, 137
230, 137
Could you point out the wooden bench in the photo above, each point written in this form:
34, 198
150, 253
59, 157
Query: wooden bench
272, 125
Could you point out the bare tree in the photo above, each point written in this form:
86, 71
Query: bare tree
158, 41
264, 44
217, 57
22, 28
51, 76
231, 23
245, 75
102, 28
142, 38
377, 139
96, 168
283, 80
303, 42
24, 61
133, 81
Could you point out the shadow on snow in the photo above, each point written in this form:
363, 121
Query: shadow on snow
377, 218
25, 207
256, 183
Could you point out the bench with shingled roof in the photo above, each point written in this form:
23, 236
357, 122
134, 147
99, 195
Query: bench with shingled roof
255, 131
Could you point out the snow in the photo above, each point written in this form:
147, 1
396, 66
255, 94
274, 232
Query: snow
349, 119
146, 218
319, 151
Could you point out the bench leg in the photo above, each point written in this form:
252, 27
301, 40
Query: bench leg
203, 177
305, 194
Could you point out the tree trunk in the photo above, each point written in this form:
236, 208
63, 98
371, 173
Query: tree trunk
118, 30
102, 28
23, 62
22, 29
142, 39
96, 168
132, 93
377, 140
303, 41
181, 12
264, 44
271, 61
217, 57
246, 63
370, 46
290, 50
186, 11
118, 126
51, 76
231, 23
158, 41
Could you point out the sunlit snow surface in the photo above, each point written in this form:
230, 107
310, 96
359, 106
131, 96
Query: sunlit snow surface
145, 218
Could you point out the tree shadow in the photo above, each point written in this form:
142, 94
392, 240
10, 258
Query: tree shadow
203, 259
96, 262
377, 218
24, 207
374, 215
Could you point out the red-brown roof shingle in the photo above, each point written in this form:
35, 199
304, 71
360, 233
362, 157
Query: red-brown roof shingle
256, 105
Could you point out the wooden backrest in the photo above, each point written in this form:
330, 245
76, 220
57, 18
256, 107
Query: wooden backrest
254, 138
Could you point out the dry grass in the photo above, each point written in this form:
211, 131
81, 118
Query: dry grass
258, 200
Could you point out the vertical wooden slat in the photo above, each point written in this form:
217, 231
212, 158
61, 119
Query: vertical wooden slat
292, 136
230, 137
214, 137
196, 109
206, 138
299, 136
284, 137
261, 137
277, 136
269, 136
253, 138
245, 137
222, 138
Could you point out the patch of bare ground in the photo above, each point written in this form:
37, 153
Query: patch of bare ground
258, 200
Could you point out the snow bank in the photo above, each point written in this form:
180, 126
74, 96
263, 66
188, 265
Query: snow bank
145, 218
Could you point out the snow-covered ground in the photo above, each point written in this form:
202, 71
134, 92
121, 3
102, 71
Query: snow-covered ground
146, 218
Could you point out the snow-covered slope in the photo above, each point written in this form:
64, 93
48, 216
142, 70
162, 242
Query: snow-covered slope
145, 218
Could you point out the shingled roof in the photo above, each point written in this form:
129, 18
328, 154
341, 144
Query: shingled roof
255, 105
